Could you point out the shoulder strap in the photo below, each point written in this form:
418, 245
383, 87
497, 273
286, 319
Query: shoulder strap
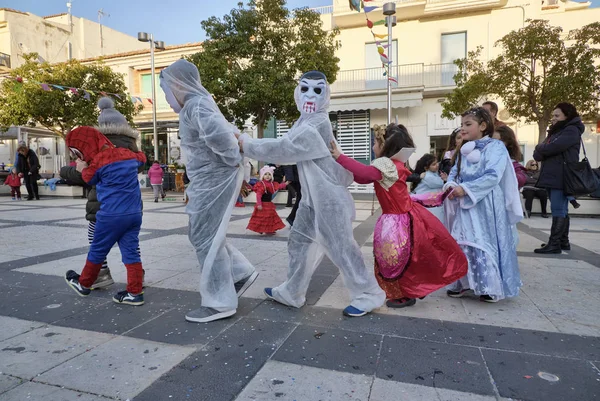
583, 147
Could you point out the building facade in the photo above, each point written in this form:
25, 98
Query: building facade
429, 36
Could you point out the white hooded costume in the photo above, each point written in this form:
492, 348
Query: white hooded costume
214, 168
324, 219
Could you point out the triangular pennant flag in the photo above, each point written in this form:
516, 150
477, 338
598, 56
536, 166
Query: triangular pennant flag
150, 100
354, 5
91, 93
380, 36
380, 22
368, 9
117, 96
73, 90
393, 79
45, 87
86, 95
104, 93
384, 58
133, 99
369, 23
59, 87
380, 50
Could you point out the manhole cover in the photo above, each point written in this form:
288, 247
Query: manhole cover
548, 376
53, 306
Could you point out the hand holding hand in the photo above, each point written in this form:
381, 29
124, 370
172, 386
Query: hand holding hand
444, 176
335, 152
81, 165
259, 207
20, 175
457, 192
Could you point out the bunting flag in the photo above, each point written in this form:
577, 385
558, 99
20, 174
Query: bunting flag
86, 94
370, 8
380, 35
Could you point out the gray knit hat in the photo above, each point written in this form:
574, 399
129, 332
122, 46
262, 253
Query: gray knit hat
108, 114
111, 122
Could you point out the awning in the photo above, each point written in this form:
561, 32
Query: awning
347, 102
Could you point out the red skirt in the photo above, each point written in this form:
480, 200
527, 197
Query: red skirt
266, 220
436, 259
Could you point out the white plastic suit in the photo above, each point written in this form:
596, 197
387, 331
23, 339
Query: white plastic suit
214, 168
324, 219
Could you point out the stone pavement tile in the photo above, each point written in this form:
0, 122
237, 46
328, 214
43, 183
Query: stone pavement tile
285, 381
171, 327
533, 377
520, 340
46, 308
37, 351
43, 392
519, 312
127, 365
10, 327
332, 349
8, 382
113, 318
47, 239
582, 320
43, 214
158, 221
373, 323
387, 390
434, 364
221, 369
188, 280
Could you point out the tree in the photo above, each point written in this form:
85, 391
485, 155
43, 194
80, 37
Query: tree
254, 55
538, 68
25, 102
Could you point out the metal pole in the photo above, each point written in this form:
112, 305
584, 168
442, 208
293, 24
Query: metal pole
390, 68
153, 98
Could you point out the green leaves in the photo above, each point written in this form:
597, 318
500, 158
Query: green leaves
28, 103
254, 55
536, 70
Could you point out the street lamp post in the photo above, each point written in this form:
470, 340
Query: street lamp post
148, 37
389, 9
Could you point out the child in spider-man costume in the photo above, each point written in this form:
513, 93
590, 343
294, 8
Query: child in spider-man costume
114, 172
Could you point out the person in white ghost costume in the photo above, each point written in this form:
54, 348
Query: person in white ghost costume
214, 168
323, 222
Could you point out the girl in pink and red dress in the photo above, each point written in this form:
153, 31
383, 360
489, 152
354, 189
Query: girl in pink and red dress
414, 253
265, 218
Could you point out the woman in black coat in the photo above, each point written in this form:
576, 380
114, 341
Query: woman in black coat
28, 167
561, 145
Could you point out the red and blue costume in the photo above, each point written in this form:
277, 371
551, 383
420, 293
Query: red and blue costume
114, 172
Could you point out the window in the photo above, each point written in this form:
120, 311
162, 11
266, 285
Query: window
454, 47
161, 101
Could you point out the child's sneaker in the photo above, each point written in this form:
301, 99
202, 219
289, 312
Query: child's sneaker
353, 312
72, 279
104, 279
124, 297
13, 198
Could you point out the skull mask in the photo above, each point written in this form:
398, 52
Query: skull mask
312, 93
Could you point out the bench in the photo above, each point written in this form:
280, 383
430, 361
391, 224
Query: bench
63, 191
589, 207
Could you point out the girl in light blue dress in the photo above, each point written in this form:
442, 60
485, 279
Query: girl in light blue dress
482, 210
432, 181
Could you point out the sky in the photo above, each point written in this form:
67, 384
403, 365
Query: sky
172, 25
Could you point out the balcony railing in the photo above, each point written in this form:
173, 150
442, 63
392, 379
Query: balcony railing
407, 75
323, 9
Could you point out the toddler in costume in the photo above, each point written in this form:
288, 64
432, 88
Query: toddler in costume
414, 253
114, 172
14, 181
265, 218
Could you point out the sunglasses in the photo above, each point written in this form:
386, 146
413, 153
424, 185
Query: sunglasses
75, 152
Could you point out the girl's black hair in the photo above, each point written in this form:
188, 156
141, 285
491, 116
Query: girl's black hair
480, 115
396, 138
452, 140
422, 166
507, 135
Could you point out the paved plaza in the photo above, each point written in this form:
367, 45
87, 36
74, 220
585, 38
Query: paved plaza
54, 345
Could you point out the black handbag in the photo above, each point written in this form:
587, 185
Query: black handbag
578, 177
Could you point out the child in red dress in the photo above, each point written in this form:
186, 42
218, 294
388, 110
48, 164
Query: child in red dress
265, 218
414, 253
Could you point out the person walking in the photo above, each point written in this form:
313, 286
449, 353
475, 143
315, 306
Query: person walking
155, 174
560, 146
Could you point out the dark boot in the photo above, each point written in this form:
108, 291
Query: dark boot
565, 245
553, 246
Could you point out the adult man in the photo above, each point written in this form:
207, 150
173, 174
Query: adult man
214, 169
492, 108
323, 223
